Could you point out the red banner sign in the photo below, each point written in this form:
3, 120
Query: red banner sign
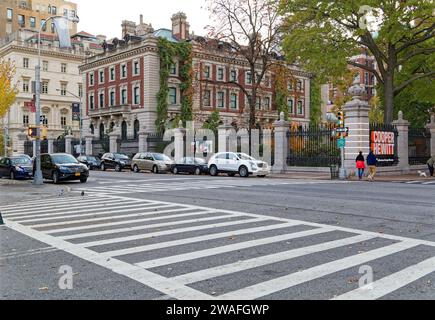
382, 143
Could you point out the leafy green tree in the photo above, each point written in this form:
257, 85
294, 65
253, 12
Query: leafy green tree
213, 122
316, 103
323, 35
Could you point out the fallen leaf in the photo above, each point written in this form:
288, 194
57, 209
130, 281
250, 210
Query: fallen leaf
43, 289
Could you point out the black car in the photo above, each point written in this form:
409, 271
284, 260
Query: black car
92, 162
62, 167
190, 165
117, 161
16, 167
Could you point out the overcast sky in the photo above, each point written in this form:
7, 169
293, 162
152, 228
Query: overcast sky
105, 16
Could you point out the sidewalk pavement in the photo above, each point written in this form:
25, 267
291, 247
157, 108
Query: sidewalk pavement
15, 191
327, 176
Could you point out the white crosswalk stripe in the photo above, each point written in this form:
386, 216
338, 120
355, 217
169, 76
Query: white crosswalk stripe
151, 187
109, 230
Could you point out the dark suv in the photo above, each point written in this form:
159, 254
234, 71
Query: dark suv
62, 167
115, 161
91, 161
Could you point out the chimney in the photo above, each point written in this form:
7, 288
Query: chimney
128, 27
180, 26
143, 28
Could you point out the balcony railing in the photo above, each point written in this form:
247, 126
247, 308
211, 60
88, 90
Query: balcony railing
108, 111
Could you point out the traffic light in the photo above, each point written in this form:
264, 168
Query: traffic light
340, 117
32, 132
44, 133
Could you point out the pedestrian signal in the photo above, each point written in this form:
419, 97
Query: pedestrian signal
44, 133
32, 132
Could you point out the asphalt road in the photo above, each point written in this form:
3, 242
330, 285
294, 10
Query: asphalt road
145, 236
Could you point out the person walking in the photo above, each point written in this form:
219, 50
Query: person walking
372, 161
430, 164
360, 165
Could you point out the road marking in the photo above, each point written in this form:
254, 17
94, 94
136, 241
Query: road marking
392, 282
122, 252
169, 232
266, 260
57, 202
31, 212
115, 217
26, 253
138, 274
228, 248
94, 212
428, 183
278, 284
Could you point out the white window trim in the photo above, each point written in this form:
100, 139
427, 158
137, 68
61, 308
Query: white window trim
120, 70
217, 99
210, 99
269, 107
211, 71
91, 94
133, 86
91, 79
99, 76
112, 89
246, 77
293, 105
176, 96
303, 108
237, 75
176, 74
132, 65
110, 74
237, 100
104, 99
224, 73
120, 95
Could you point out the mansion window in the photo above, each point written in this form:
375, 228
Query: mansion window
112, 98
221, 99
290, 105
63, 89
25, 120
207, 72
258, 103
21, 20
101, 100
299, 85
9, 14
32, 22
172, 96
45, 65
101, 76
43, 25
136, 68
300, 108
63, 68
123, 71
266, 103
220, 74
112, 74
63, 122
173, 69
45, 87
233, 75
25, 85
248, 77
233, 100
91, 79
207, 98
136, 95
124, 96
26, 63
91, 102
290, 85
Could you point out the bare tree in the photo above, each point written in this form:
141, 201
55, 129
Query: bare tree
250, 30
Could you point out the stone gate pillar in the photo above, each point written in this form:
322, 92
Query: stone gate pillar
20, 147
68, 141
357, 120
281, 144
402, 142
50, 142
143, 141
223, 143
431, 128
88, 148
113, 142
179, 134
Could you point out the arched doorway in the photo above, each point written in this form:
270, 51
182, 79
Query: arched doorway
136, 129
92, 128
124, 130
101, 131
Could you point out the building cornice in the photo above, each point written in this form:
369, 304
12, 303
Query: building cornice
44, 53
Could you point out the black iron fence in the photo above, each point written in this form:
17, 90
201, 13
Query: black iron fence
156, 143
419, 145
312, 146
383, 143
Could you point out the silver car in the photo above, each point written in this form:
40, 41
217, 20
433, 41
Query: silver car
154, 162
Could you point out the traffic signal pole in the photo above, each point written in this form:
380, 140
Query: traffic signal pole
342, 174
37, 179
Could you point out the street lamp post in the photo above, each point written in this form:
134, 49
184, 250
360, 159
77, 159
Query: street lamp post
38, 180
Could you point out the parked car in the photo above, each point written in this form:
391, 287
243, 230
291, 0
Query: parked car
92, 162
62, 167
237, 163
190, 165
117, 161
154, 162
16, 167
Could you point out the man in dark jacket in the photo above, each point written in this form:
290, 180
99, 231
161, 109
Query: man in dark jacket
372, 161
430, 165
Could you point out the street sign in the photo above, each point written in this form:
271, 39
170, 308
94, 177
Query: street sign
341, 143
76, 112
342, 130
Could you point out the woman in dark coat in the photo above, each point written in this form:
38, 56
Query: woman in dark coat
360, 165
